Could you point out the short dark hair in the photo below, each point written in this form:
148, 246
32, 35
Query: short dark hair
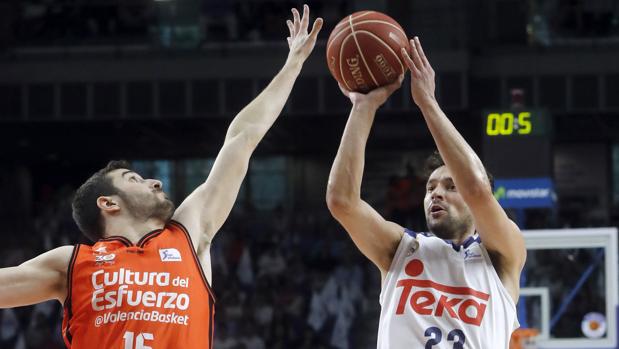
86, 213
435, 161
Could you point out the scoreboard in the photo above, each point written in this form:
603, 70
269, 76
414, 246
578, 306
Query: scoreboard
517, 143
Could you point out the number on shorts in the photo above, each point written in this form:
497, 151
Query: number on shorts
139, 340
436, 335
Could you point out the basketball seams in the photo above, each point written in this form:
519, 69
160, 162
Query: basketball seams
362, 14
382, 22
332, 40
341, 55
385, 44
360, 52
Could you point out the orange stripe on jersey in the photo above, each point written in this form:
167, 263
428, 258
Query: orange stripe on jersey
151, 294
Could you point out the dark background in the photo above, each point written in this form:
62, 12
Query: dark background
157, 83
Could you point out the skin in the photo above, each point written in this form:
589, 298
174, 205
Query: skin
458, 200
142, 205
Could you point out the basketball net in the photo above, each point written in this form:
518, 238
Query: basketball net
524, 338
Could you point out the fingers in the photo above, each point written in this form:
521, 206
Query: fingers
316, 28
305, 19
396, 84
297, 21
290, 28
421, 53
392, 87
416, 72
416, 55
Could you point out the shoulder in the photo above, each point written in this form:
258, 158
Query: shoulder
56, 259
60, 257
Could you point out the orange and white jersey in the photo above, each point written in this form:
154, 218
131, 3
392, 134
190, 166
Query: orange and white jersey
443, 296
149, 295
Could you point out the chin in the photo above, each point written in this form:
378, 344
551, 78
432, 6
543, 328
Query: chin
165, 210
441, 230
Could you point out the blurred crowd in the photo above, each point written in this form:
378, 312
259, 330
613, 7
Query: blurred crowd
555, 20
188, 23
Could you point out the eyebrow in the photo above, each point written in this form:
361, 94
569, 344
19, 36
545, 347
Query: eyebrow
444, 179
125, 172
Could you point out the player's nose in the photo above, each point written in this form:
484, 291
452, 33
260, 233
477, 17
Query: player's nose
156, 184
437, 194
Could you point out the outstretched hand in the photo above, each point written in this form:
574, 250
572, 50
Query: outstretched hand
422, 74
300, 42
374, 98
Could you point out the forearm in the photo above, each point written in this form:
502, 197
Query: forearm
466, 167
258, 116
347, 171
18, 288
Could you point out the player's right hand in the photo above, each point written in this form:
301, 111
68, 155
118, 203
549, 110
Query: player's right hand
374, 98
300, 42
422, 74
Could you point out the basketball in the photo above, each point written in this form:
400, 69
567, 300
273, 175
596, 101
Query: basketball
363, 51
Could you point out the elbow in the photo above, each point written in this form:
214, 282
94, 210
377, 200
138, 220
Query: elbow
339, 203
242, 136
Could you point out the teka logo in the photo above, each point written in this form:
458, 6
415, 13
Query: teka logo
461, 303
169, 255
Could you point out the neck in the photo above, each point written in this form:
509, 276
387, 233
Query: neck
131, 228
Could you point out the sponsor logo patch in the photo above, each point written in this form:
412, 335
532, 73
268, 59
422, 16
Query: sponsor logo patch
169, 255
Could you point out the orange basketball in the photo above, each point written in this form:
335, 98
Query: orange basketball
363, 51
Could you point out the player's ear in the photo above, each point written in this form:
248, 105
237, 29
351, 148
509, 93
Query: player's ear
108, 204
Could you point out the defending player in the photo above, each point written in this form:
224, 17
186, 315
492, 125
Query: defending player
456, 287
145, 283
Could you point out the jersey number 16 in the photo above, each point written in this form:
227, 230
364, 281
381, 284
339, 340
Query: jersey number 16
139, 340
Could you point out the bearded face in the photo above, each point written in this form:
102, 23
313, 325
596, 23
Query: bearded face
143, 199
144, 206
447, 215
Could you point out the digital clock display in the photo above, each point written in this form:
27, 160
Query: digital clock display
506, 124
515, 123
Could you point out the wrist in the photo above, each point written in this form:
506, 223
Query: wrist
427, 103
294, 61
365, 105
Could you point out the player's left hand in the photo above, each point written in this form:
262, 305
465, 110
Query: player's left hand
300, 42
422, 74
376, 97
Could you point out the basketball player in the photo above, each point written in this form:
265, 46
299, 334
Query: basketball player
145, 283
455, 287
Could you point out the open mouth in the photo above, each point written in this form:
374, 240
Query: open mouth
437, 210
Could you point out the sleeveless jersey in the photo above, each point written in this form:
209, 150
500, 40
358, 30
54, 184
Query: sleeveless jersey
149, 295
444, 296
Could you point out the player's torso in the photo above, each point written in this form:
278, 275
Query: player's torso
149, 295
439, 296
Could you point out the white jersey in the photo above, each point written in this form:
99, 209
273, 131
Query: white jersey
444, 296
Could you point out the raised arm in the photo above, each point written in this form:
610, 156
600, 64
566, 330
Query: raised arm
37, 280
205, 210
498, 233
375, 237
